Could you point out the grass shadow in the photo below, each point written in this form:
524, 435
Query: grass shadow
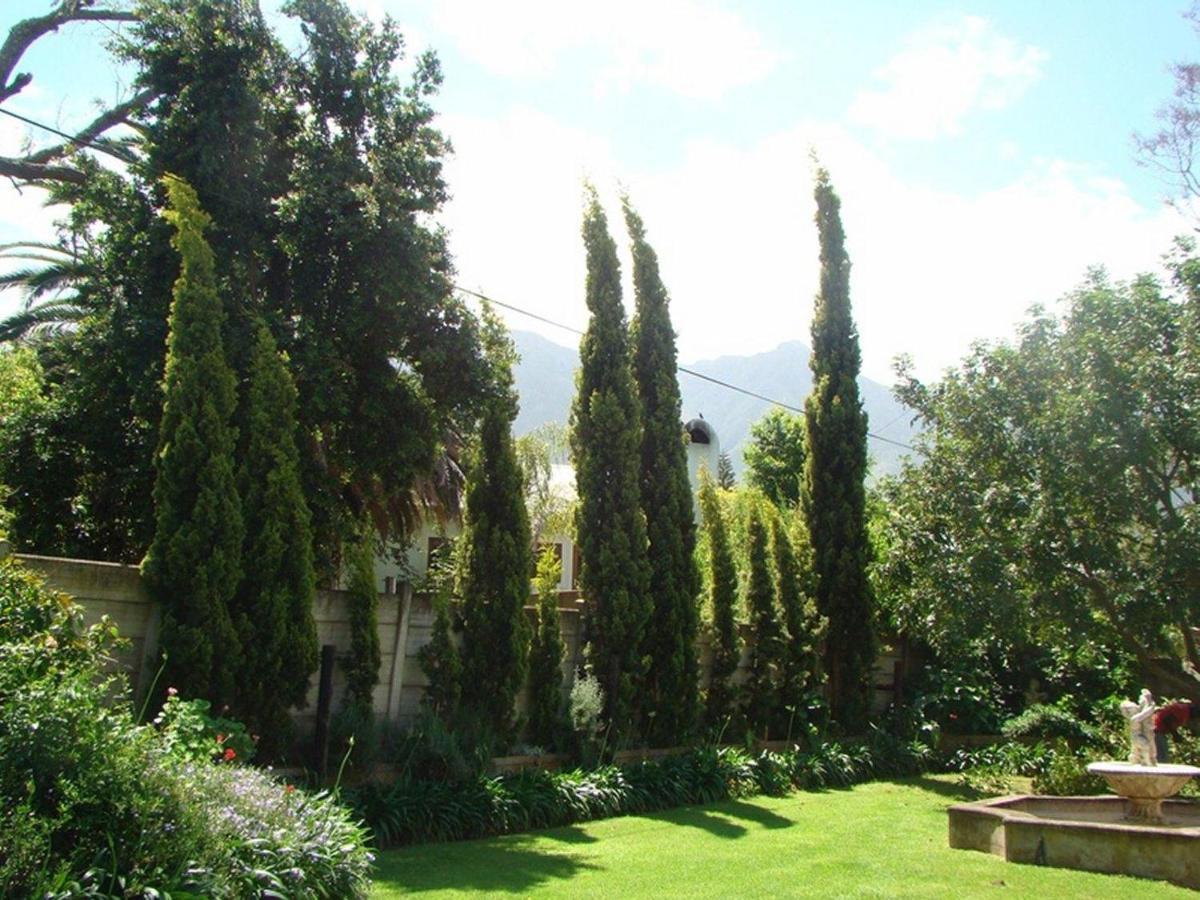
497, 865
568, 834
724, 820
952, 790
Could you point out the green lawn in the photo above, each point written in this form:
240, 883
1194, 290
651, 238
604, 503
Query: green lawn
886, 839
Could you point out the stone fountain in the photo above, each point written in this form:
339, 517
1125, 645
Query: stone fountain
1143, 781
1140, 832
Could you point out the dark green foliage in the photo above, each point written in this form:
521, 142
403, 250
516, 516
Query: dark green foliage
272, 611
322, 174
439, 660
605, 441
413, 811
1042, 722
547, 710
834, 498
761, 701
1053, 506
361, 664
800, 682
672, 681
722, 597
193, 565
726, 479
775, 456
497, 559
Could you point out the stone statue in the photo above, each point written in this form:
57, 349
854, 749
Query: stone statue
1142, 751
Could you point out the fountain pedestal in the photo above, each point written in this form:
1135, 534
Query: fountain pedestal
1144, 787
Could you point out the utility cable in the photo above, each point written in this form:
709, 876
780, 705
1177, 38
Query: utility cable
717, 381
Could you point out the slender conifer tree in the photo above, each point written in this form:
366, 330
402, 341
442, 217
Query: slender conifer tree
193, 565
272, 611
722, 597
610, 524
801, 676
672, 682
834, 499
547, 710
761, 690
361, 664
498, 558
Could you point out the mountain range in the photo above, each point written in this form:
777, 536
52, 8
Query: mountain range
545, 379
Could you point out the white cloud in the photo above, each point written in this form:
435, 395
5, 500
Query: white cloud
943, 74
694, 48
933, 270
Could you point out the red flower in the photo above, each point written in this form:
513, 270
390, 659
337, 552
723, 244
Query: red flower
229, 754
289, 788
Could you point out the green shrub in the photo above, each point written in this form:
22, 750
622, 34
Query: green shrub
188, 732
94, 805
1048, 723
1067, 775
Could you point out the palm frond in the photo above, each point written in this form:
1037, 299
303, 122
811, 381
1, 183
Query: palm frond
50, 317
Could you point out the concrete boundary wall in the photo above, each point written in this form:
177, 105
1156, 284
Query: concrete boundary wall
405, 626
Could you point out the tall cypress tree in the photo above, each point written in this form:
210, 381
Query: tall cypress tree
605, 441
834, 499
193, 565
547, 712
722, 597
761, 694
498, 558
362, 662
273, 608
805, 630
672, 682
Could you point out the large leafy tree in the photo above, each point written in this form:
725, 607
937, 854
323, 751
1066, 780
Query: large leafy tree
272, 610
672, 681
1056, 504
320, 171
605, 439
497, 559
775, 456
834, 499
193, 565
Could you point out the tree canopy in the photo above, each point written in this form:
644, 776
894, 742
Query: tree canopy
1057, 499
320, 171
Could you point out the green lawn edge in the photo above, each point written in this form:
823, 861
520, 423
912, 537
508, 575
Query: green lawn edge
879, 839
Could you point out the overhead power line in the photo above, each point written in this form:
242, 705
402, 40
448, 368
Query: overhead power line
717, 381
484, 297
74, 139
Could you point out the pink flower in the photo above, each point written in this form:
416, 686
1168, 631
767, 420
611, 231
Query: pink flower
171, 692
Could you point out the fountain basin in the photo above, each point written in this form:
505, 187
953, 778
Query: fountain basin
1145, 787
1087, 833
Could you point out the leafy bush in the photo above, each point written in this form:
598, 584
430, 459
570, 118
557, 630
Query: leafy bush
415, 810
1067, 775
1047, 723
960, 700
94, 805
188, 732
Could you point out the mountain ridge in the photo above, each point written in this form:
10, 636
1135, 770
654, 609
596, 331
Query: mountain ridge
545, 381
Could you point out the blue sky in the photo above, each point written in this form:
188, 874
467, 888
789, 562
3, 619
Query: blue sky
983, 152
